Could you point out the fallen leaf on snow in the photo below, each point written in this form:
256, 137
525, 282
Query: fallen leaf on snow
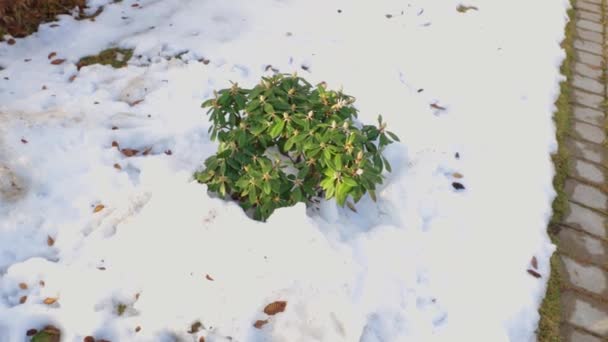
23, 141
201, 339
275, 307
11, 41
50, 241
168, 152
114, 144
260, 323
98, 208
49, 300
135, 103
58, 61
534, 273
457, 175
23, 286
31, 332
147, 151
129, 152
195, 327
89, 339
534, 263
436, 106
51, 55
117, 167
23, 299
209, 277
72, 78
137, 328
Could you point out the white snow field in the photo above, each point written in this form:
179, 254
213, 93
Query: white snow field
469, 93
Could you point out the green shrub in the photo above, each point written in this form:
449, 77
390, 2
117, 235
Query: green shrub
285, 141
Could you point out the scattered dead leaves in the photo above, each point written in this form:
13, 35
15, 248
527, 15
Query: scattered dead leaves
275, 307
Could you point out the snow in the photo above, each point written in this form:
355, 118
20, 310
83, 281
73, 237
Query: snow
424, 263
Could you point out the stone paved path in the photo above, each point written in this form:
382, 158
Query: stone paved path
583, 234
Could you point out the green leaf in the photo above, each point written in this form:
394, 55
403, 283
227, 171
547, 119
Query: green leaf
268, 108
338, 161
393, 136
349, 181
277, 129
387, 165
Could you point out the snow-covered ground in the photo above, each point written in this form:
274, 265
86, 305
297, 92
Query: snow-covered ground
470, 94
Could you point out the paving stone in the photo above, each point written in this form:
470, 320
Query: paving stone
595, 8
597, 2
569, 334
588, 70
586, 220
595, 17
586, 195
585, 313
588, 132
582, 149
587, 171
589, 35
587, 99
588, 58
582, 246
592, 116
586, 277
588, 84
589, 25
588, 46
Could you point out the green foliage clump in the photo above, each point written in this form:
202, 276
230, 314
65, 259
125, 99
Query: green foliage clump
285, 141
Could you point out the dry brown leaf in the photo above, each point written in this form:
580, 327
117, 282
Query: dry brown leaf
52, 54
54, 25
72, 78
147, 151
44, 87
98, 208
129, 152
117, 167
31, 332
534, 263
23, 141
534, 273
136, 296
88, 339
260, 323
23, 299
114, 144
135, 5
42, 283
114, 128
23, 286
201, 339
209, 277
195, 327
457, 175
436, 106
275, 307
58, 61
137, 328
135, 103
11, 41
50, 241
49, 300
168, 152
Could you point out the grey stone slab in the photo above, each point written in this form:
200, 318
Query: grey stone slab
586, 313
585, 150
569, 334
583, 247
591, 7
588, 84
589, 35
591, 16
586, 220
588, 115
594, 72
586, 195
589, 25
588, 132
587, 277
587, 171
597, 2
587, 99
588, 46
588, 58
